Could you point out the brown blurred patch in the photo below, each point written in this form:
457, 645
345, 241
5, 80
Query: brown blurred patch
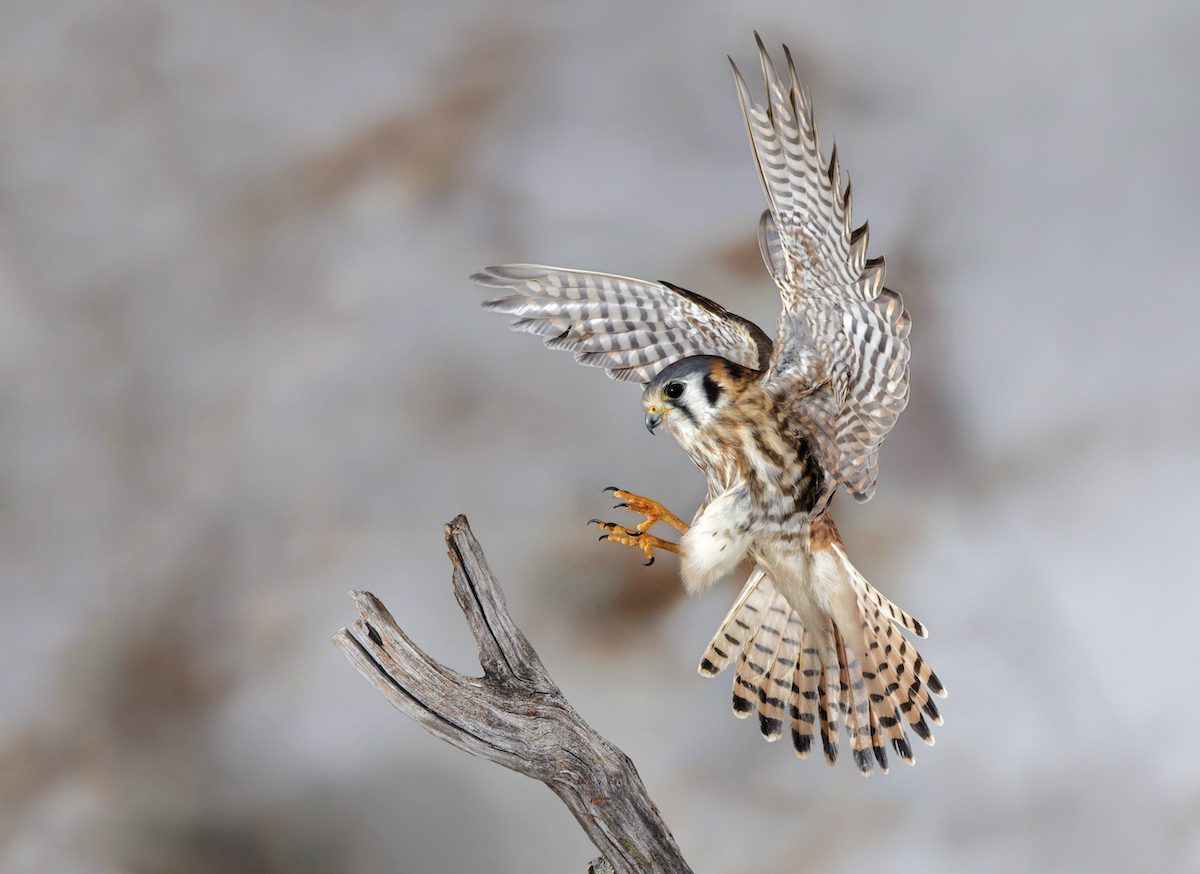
29, 762
742, 258
162, 668
608, 593
199, 848
613, 597
164, 674
136, 690
644, 593
424, 150
642, 596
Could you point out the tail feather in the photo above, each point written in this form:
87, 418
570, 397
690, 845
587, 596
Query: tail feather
884, 711
916, 666
907, 668
873, 597
758, 656
829, 694
856, 707
889, 666
774, 694
805, 695
877, 746
740, 624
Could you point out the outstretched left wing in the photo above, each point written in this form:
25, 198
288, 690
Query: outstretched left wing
630, 327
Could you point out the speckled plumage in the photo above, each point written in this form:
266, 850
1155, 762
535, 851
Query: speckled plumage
777, 429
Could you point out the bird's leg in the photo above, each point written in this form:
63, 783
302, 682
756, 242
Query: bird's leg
640, 537
652, 510
647, 543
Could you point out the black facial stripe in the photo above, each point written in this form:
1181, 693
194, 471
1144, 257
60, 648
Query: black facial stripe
712, 390
683, 408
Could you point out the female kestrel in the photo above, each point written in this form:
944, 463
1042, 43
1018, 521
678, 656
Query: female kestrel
777, 428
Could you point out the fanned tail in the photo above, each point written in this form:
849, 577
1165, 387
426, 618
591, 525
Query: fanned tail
855, 669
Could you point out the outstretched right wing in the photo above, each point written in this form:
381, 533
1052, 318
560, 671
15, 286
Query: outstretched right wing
841, 352
630, 327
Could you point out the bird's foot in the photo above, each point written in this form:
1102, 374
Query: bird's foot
647, 543
652, 510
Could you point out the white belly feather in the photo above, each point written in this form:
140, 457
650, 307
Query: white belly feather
815, 584
717, 541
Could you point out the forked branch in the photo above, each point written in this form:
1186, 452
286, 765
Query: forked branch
514, 714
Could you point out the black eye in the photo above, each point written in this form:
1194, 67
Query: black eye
674, 390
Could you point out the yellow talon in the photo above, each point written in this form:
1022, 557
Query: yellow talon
652, 510
639, 537
647, 543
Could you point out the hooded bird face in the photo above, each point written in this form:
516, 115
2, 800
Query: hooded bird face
686, 396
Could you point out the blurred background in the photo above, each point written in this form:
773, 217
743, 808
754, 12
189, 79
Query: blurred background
243, 372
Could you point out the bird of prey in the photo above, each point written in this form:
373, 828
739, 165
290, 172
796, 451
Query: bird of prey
777, 428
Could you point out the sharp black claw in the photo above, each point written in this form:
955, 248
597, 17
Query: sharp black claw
621, 506
648, 563
611, 489
603, 537
633, 533
594, 522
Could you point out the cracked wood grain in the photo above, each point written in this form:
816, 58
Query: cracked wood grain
514, 714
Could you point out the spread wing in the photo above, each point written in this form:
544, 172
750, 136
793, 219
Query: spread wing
630, 327
841, 351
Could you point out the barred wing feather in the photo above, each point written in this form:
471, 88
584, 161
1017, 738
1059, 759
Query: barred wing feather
841, 349
631, 327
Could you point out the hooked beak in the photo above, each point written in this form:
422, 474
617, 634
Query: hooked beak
653, 420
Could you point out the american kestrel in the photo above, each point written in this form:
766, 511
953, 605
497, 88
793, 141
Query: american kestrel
777, 428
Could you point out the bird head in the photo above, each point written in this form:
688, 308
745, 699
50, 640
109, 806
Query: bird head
686, 395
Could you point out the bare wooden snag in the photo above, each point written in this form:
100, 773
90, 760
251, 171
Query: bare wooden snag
514, 714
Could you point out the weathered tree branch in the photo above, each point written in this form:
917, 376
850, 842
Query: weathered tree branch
514, 714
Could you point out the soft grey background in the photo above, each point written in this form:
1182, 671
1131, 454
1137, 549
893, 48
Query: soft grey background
243, 372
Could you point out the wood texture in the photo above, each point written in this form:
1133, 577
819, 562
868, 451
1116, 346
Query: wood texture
514, 714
